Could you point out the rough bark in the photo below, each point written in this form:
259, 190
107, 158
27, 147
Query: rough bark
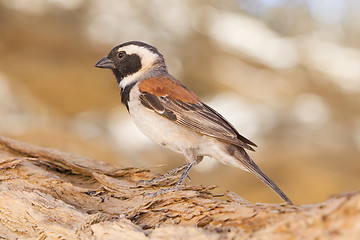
48, 194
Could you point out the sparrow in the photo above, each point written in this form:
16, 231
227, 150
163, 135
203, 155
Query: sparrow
170, 114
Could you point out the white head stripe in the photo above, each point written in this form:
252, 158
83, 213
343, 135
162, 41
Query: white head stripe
147, 56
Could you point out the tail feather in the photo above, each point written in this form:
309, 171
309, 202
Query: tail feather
251, 166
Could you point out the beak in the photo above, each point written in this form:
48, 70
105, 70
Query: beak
105, 62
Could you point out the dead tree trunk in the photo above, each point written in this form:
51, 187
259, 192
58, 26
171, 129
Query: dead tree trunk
48, 194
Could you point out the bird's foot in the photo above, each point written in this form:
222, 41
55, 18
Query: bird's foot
168, 176
154, 181
177, 186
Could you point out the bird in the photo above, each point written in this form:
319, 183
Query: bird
170, 114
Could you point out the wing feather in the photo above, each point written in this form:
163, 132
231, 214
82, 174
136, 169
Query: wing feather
196, 116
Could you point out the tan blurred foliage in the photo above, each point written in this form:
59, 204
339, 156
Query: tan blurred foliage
285, 73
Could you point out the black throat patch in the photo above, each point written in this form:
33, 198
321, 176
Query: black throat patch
125, 94
127, 65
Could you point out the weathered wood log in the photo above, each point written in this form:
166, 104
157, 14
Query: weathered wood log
48, 194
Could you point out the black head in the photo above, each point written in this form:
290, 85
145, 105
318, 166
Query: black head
130, 59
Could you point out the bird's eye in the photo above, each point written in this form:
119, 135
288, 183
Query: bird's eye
121, 54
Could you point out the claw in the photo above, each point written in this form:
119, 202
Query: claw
146, 182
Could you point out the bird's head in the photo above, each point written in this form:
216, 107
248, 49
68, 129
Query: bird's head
133, 61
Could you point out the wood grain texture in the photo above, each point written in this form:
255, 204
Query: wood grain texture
48, 194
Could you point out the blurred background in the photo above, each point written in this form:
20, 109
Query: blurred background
285, 73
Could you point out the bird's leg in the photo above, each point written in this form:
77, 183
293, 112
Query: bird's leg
183, 175
175, 171
181, 168
197, 160
166, 176
179, 183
